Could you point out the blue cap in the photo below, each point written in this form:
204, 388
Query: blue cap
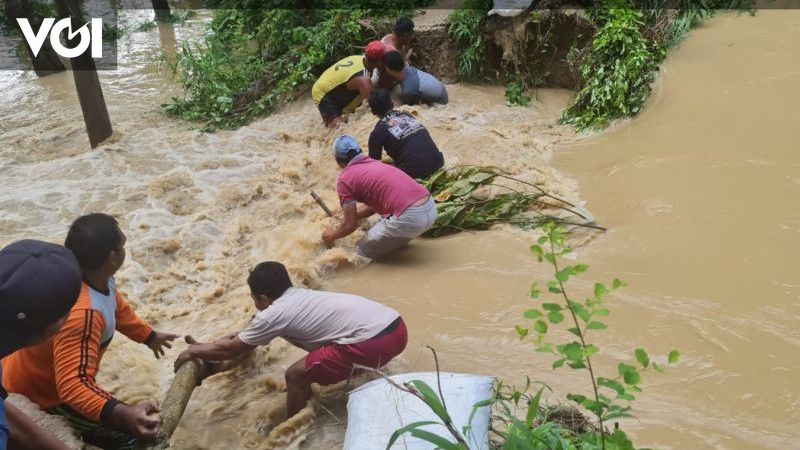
39, 283
345, 147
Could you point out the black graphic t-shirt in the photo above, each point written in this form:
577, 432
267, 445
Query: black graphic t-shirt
407, 142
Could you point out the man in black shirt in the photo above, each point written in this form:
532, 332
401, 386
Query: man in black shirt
403, 137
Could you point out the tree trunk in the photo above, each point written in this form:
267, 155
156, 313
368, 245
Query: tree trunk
161, 7
87, 83
47, 61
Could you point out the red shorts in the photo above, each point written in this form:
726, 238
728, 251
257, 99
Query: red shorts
334, 363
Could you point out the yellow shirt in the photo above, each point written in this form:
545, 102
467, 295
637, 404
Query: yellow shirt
337, 76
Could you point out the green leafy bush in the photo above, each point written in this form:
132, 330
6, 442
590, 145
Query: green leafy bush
147, 25
631, 40
463, 26
516, 94
617, 72
112, 32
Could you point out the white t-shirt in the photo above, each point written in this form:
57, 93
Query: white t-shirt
312, 319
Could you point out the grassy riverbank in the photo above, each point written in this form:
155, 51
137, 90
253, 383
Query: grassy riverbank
258, 57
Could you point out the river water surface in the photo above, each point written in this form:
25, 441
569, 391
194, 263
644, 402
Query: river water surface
700, 193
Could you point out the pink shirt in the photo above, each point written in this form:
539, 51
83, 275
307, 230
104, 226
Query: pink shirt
384, 188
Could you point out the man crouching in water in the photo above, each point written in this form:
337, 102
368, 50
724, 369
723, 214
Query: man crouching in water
406, 207
338, 331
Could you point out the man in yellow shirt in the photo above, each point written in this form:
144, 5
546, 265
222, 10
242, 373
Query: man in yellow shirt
345, 85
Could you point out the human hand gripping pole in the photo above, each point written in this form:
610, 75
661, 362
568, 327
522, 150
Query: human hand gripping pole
140, 420
190, 371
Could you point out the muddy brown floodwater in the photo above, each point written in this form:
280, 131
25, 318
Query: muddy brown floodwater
702, 195
700, 192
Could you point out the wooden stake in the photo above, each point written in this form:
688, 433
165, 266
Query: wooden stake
321, 204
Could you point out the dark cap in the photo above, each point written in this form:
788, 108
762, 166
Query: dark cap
39, 283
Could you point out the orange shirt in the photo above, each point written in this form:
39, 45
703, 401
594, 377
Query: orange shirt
62, 370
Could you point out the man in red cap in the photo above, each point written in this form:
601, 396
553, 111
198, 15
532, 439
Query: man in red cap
376, 51
345, 85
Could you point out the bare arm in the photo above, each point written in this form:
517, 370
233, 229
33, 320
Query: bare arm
27, 434
348, 224
229, 347
365, 212
361, 84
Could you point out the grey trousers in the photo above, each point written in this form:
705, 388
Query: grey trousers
393, 233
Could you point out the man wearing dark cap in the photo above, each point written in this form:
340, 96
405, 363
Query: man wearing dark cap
39, 284
59, 374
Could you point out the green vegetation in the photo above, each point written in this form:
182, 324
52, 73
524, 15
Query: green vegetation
516, 94
174, 18
112, 32
465, 201
536, 428
147, 25
464, 27
41, 8
617, 72
627, 48
5, 24
263, 53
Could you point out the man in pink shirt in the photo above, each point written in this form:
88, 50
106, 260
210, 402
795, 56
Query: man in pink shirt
406, 207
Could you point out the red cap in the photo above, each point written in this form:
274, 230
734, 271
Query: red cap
375, 50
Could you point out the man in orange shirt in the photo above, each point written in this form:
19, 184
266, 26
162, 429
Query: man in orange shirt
59, 374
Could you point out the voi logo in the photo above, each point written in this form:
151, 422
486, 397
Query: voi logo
87, 37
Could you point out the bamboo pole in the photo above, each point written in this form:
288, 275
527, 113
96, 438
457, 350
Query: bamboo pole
189, 375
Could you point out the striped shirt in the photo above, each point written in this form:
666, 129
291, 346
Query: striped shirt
62, 370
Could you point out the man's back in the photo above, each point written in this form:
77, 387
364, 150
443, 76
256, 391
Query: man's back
421, 87
386, 189
407, 142
333, 81
312, 319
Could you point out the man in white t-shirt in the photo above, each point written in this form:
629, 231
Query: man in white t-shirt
338, 330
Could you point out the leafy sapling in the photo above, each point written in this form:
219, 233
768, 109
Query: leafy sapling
611, 395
